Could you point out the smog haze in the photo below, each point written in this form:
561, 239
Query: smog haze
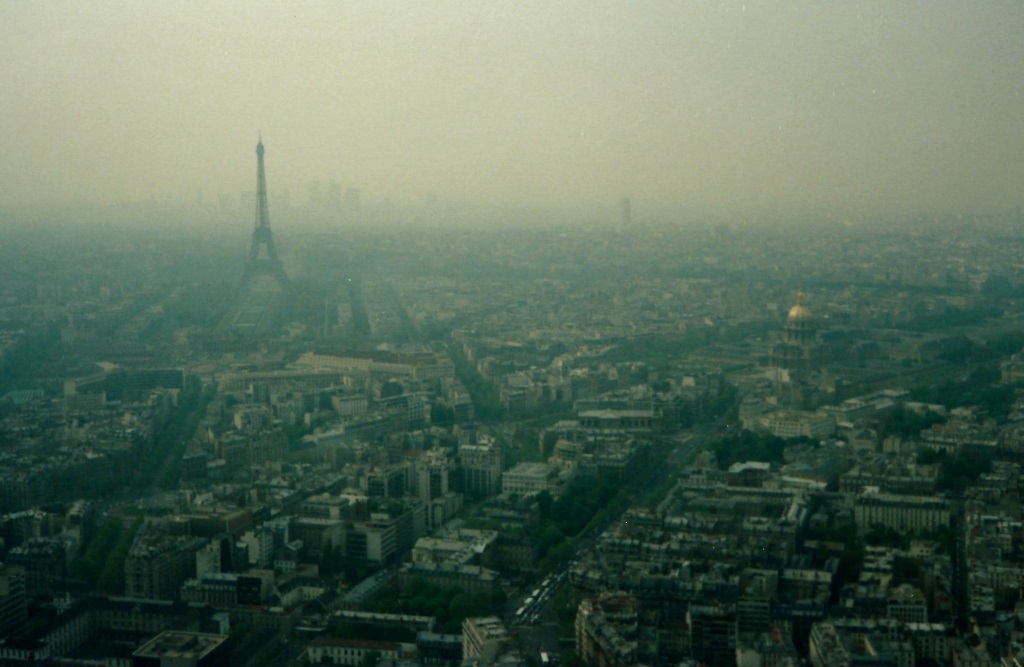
704, 106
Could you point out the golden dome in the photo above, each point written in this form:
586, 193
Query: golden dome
800, 312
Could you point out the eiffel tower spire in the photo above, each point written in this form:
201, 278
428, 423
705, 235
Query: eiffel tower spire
263, 260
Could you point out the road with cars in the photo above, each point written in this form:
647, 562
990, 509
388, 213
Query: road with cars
529, 613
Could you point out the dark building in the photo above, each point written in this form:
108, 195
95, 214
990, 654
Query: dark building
127, 383
713, 634
157, 565
386, 482
438, 649
44, 563
182, 649
13, 607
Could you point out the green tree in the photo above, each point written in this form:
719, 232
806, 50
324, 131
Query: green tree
111, 578
544, 504
549, 537
550, 439
93, 560
441, 415
748, 446
908, 423
486, 402
459, 606
962, 469
881, 536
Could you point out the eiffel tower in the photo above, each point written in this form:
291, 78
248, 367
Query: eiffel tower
263, 259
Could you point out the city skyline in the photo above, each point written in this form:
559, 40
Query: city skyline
723, 107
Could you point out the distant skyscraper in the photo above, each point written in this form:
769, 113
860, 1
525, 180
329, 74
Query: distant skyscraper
315, 201
333, 197
263, 260
352, 199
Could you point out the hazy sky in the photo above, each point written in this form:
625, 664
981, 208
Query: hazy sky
715, 105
